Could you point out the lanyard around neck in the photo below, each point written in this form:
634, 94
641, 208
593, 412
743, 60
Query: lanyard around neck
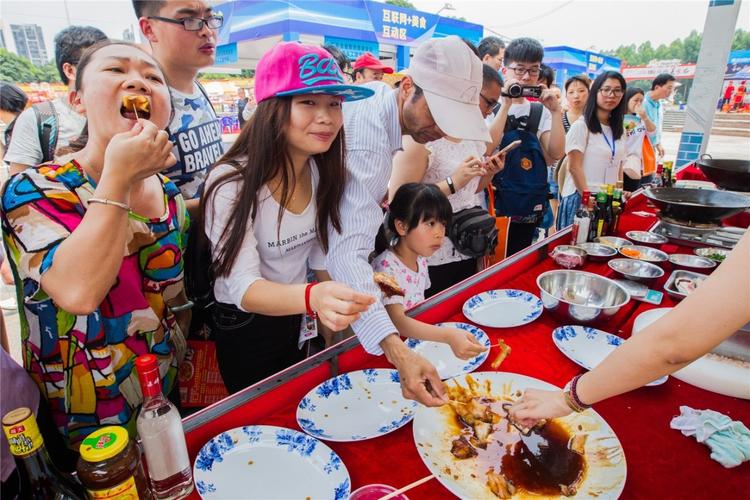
612, 145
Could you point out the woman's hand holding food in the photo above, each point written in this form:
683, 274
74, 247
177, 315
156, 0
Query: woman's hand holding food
466, 171
337, 305
137, 154
536, 405
463, 344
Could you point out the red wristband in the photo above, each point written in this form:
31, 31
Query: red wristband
308, 309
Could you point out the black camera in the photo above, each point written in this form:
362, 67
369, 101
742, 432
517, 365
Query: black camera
517, 90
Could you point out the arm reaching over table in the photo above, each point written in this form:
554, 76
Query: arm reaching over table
709, 315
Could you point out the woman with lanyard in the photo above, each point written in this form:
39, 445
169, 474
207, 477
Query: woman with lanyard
594, 145
270, 205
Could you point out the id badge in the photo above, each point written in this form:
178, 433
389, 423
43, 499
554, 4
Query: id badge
308, 329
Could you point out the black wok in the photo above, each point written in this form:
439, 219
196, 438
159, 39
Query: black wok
732, 175
697, 205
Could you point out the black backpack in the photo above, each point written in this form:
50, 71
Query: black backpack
521, 187
473, 232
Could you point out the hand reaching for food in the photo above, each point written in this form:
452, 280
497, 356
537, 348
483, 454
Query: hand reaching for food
337, 305
463, 344
536, 405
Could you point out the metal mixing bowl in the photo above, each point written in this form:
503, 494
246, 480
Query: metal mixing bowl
636, 270
648, 254
598, 252
691, 262
612, 241
646, 238
580, 297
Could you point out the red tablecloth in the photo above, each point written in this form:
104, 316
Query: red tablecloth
662, 463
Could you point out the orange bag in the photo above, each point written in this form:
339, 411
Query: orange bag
502, 224
649, 157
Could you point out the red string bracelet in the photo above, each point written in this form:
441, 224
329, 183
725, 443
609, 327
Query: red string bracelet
308, 308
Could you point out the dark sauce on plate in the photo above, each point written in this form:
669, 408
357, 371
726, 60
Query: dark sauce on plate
538, 463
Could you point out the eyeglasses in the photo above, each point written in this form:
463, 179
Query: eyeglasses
522, 71
617, 92
490, 103
214, 22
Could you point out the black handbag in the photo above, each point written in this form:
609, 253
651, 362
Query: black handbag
473, 232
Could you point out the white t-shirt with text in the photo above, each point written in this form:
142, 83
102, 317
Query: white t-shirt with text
599, 166
269, 251
635, 132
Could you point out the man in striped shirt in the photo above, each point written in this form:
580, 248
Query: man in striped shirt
438, 98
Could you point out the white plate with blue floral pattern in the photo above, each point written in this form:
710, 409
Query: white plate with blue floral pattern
587, 347
503, 308
355, 406
256, 461
441, 355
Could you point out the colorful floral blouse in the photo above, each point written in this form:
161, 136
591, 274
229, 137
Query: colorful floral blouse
84, 365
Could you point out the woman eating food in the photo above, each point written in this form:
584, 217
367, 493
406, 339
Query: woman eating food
96, 248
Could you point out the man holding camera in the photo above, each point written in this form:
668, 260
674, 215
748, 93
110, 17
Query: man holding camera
521, 188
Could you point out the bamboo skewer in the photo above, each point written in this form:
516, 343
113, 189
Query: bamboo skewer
407, 487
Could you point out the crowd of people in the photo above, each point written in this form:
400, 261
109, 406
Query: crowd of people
120, 221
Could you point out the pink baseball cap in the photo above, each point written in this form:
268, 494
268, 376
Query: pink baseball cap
291, 68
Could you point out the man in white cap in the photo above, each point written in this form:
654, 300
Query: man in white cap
439, 97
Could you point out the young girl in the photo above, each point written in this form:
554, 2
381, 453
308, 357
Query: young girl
414, 229
640, 163
268, 207
594, 145
96, 246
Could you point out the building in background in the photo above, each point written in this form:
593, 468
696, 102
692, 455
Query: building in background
569, 61
29, 42
2, 40
128, 35
355, 26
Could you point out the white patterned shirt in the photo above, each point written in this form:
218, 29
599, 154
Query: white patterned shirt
412, 283
373, 136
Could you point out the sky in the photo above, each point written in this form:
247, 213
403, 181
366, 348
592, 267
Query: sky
584, 24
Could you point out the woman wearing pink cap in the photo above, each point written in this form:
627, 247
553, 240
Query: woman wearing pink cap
268, 207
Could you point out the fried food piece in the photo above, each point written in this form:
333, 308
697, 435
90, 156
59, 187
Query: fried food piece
388, 284
578, 443
474, 411
504, 351
569, 490
137, 102
461, 449
501, 487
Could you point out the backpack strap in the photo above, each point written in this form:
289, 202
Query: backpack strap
47, 128
535, 117
205, 94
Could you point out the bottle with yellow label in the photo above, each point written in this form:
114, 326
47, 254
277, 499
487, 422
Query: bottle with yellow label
110, 466
40, 479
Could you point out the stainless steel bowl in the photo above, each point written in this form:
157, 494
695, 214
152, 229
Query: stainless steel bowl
568, 256
598, 251
691, 262
612, 241
636, 270
646, 238
647, 254
580, 297
716, 254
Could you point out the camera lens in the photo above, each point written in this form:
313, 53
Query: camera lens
515, 90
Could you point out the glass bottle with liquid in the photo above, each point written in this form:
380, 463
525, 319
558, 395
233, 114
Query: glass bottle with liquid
40, 479
163, 438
